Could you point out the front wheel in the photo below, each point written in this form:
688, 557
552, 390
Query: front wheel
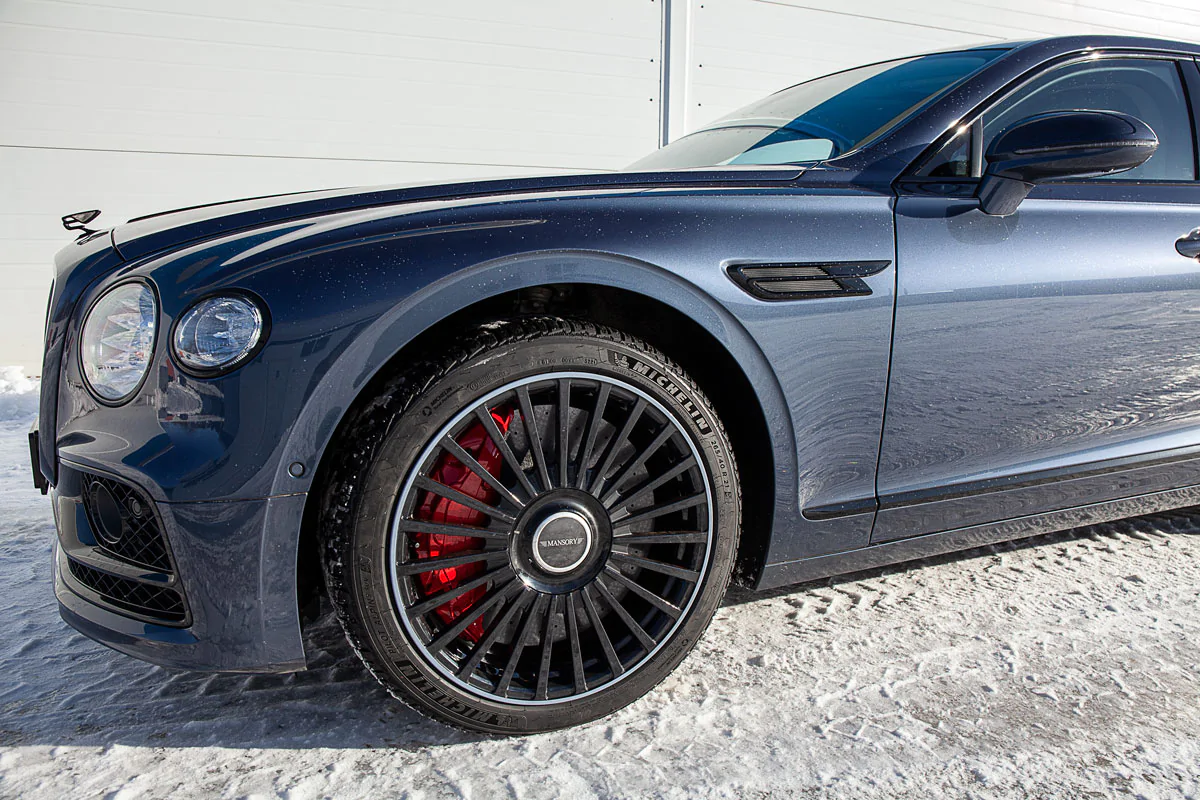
532, 530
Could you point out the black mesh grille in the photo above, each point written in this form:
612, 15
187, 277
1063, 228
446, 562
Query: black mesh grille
139, 539
157, 602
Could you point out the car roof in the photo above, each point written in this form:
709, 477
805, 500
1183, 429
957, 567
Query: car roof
1080, 42
1100, 41
1047, 47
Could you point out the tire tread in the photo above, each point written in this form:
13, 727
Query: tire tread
367, 427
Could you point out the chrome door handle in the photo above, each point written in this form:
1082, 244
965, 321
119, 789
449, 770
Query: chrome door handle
1189, 246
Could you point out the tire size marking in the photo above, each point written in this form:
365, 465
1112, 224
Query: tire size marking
665, 383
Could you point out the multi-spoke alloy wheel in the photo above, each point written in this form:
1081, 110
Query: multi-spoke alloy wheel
540, 526
591, 534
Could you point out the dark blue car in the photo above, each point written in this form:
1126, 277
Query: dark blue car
522, 433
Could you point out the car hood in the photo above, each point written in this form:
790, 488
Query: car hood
151, 234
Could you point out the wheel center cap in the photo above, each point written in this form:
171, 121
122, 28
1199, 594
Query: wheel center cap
562, 541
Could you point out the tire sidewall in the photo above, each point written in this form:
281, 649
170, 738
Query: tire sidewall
369, 576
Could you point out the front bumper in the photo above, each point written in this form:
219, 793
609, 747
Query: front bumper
203, 457
230, 564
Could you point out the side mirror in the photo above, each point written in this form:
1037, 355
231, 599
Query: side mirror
1061, 144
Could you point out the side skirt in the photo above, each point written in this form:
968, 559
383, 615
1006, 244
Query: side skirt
932, 544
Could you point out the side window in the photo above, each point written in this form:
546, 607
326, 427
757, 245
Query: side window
1147, 89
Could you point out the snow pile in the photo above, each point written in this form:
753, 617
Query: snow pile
18, 395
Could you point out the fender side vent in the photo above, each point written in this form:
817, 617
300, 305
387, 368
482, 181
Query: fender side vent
805, 281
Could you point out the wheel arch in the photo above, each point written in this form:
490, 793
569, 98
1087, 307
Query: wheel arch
694, 330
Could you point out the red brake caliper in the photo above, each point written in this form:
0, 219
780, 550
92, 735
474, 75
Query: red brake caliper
451, 472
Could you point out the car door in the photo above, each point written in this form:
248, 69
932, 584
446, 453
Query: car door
1051, 358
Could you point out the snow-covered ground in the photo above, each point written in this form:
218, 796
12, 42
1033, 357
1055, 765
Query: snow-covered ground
18, 396
1065, 666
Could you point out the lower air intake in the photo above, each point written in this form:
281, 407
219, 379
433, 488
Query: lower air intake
125, 523
154, 602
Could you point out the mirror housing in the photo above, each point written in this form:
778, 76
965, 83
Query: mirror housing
1060, 144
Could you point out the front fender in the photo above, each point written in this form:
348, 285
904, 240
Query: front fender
376, 345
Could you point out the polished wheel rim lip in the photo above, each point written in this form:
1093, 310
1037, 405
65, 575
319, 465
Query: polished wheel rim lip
410, 488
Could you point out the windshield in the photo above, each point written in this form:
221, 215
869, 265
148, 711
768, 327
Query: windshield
822, 118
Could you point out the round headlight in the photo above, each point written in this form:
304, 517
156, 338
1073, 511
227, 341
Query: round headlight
218, 333
118, 340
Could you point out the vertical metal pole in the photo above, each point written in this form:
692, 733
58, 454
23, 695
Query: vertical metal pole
664, 76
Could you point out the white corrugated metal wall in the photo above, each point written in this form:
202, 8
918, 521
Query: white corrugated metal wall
134, 106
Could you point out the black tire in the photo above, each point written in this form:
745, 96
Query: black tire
380, 468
